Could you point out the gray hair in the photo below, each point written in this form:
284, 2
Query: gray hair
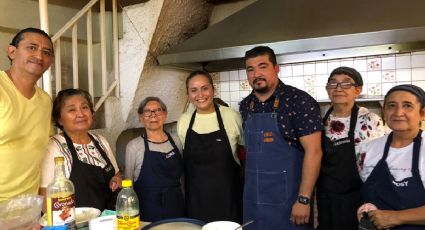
145, 101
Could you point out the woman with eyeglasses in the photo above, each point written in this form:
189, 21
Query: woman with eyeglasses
153, 161
393, 167
211, 135
346, 125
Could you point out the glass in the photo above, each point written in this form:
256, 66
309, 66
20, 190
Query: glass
148, 113
343, 85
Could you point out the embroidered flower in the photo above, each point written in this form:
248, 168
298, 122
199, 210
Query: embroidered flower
337, 127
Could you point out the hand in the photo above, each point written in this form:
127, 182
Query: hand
115, 182
300, 213
365, 208
384, 219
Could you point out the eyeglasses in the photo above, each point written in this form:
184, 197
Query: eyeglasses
149, 113
343, 85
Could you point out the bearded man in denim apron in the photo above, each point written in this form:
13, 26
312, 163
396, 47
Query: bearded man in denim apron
282, 126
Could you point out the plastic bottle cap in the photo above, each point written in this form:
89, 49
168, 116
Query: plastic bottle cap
59, 159
127, 183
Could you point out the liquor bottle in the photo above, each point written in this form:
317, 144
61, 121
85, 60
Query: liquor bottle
127, 207
61, 198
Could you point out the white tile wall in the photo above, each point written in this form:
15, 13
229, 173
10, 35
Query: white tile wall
379, 73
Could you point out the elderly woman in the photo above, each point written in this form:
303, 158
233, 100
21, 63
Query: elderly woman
153, 161
346, 125
211, 135
89, 161
393, 166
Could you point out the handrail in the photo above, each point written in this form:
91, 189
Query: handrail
72, 24
74, 19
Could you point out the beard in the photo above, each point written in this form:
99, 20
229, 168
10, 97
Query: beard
259, 88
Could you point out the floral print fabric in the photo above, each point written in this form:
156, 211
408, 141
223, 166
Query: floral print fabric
369, 126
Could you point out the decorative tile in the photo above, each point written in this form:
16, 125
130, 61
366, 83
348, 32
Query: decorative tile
311, 91
234, 105
286, 70
374, 90
217, 87
309, 68
215, 77
418, 74
309, 81
234, 75
360, 64
402, 61
224, 86
244, 85
224, 76
373, 64
242, 74
403, 75
388, 62
388, 76
321, 68
216, 93
298, 70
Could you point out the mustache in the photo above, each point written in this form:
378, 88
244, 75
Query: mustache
259, 79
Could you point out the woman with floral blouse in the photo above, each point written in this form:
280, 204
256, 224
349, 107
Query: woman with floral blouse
346, 125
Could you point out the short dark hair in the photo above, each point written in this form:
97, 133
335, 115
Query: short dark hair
196, 73
60, 99
259, 51
145, 101
20, 35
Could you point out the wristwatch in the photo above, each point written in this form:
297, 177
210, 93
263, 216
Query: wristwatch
303, 200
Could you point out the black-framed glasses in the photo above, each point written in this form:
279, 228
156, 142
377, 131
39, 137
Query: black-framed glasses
343, 85
149, 113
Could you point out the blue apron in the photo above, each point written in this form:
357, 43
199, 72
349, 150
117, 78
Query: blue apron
272, 174
382, 190
158, 185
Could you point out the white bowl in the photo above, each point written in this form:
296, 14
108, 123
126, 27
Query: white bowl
221, 225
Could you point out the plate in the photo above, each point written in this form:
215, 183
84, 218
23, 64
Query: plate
82, 216
176, 223
221, 225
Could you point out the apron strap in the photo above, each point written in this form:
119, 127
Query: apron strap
416, 152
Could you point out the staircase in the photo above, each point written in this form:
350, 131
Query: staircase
93, 74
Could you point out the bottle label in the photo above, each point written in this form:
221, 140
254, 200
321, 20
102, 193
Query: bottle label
128, 222
61, 210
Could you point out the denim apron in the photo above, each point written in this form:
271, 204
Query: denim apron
382, 190
339, 183
158, 184
91, 182
272, 173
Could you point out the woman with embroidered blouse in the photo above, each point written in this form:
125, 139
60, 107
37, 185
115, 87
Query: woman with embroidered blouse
89, 161
346, 125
